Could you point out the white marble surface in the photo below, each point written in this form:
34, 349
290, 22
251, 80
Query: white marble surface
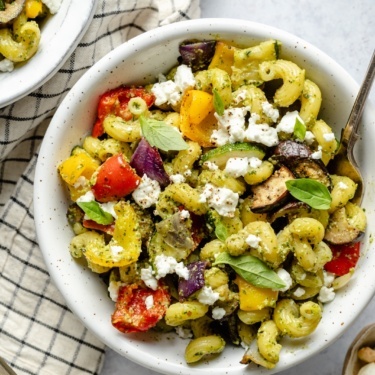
345, 30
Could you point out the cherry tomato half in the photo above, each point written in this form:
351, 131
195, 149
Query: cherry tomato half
345, 257
132, 314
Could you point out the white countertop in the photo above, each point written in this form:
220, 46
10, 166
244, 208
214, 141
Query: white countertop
343, 29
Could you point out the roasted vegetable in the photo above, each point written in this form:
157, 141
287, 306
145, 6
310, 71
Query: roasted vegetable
272, 193
197, 54
10, 10
195, 280
345, 258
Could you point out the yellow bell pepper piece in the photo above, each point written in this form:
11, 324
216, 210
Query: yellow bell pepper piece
223, 57
125, 245
253, 297
77, 165
197, 117
33, 8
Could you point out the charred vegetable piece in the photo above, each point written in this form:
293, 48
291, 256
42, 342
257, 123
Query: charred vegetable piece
147, 160
346, 225
228, 329
289, 151
272, 193
10, 10
222, 154
291, 209
132, 314
197, 54
345, 258
195, 280
313, 169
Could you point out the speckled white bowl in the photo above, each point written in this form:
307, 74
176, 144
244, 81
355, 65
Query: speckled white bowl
139, 61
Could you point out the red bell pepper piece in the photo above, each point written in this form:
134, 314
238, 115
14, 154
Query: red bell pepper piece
115, 102
131, 313
345, 257
115, 179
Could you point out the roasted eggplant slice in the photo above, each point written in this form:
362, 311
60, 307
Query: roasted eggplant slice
346, 225
272, 193
12, 10
287, 152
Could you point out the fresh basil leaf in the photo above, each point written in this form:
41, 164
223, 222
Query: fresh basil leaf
2, 5
95, 212
312, 192
251, 269
218, 103
161, 135
299, 129
221, 231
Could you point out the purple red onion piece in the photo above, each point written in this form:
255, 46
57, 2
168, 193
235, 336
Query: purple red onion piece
195, 280
197, 54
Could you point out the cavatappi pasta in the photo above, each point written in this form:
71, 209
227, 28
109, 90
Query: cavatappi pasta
19, 29
204, 200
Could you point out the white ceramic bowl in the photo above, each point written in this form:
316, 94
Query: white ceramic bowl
139, 61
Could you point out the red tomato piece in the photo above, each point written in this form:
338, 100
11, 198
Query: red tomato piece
345, 257
115, 179
115, 102
131, 313
91, 224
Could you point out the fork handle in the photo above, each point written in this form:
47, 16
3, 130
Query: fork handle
349, 133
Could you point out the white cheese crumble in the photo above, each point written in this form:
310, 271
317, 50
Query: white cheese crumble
218, 313
53, 5
262, 133
328, 278
270, 111
285, 276
147, 192
317, 154
210, 165
326, 294
106, 207
288, 122
177, 178
341, 185
170, 92
167, 264
236, 167
309, 137
184, 333
87, 197
149, 302
207, 296
253, 241
116, 252
147, 276
6, 66
224, 201
80, 182
231, 126
329, 137
113, 288
299, 292
184, 214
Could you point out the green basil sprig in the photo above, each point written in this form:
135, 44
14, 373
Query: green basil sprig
94, 212
299, 129
161, 135
251, 269
312, 192
218, 103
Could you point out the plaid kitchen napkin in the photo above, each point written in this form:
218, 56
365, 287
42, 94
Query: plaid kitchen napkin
38, 333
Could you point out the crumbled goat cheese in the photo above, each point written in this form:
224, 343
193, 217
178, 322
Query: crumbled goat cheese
170, 92
149, 302
87, 197
177, 178
6, 66
328, 278
184, 333
241, 96
218, 313
329, 137
288, 122
116, 252
317, 154
342, 185
231, 126
255, 162
207, 296
80, 182
326, 294
184, 214
113, 288
167, 264
109, 207
237, 167
223, 200
210, 165
309, 137
262, 133
299, 292
253, 241
53, 5
285, 276
270, 111
147, 192
147, 276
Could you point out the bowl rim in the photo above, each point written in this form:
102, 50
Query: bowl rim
126, 49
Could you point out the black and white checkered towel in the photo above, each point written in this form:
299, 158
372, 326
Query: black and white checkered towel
38, 333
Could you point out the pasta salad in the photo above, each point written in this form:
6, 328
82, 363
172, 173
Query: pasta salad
205, 202
20, 29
